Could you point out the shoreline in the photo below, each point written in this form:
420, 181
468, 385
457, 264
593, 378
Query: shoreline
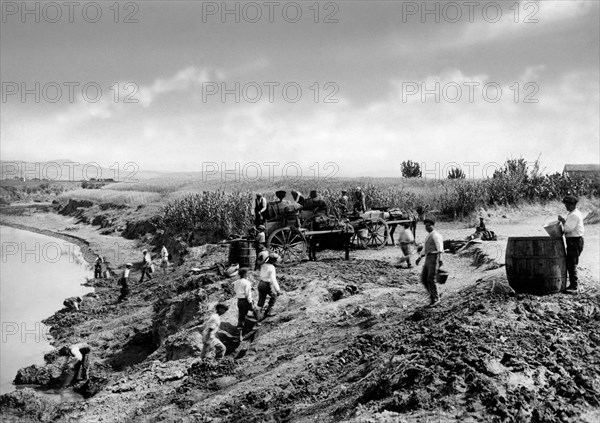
84, 245
80, 242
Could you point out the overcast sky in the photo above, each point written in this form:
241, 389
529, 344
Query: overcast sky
513, 82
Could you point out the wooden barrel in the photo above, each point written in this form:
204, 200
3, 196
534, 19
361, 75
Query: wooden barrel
243, 253
234, 252
536, 265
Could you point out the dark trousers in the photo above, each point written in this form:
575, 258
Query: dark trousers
124, 289
244, 306
428, 275
146, 272
83, 366
266, 289
574, 249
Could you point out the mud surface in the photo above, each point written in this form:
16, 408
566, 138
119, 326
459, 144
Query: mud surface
350, 341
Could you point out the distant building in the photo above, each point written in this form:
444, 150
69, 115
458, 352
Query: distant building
587, 170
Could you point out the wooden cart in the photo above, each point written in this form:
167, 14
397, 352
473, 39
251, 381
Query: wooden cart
291, 236
373, 228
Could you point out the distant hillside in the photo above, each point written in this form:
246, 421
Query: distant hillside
70, 170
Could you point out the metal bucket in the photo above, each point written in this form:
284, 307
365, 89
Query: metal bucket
554, 228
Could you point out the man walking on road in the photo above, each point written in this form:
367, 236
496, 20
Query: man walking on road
432, 251
573, 231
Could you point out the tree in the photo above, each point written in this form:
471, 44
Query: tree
411, 169
456, 173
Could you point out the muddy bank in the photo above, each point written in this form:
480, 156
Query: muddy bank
351, 341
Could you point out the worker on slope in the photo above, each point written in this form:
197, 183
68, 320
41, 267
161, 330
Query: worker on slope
81, 352
98, 267
260, 241
73, 303
573, 232
124, 282
146, 265
164, 259
245, 303
210, 342
432, 251
268, 285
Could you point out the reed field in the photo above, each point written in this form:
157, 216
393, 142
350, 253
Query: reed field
191, 202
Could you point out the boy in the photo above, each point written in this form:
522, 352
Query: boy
406, 240
268, 285
243, 294
210, 341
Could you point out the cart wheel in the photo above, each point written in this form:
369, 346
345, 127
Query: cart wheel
378, 233
289, 243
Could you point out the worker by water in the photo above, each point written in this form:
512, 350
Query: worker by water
573, 232
81, 352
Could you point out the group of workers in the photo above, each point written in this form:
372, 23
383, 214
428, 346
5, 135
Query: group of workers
314, 202
431, 252
268, 287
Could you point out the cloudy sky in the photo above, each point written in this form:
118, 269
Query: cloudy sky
361, 84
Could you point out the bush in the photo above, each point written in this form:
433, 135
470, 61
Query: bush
411, 169
456, 173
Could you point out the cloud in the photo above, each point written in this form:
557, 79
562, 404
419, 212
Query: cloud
360, 137
531, 18
190, 78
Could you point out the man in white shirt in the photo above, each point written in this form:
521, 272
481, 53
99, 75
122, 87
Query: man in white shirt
573, 231
81, 352
432, 251
164, 259
243, 294
146, 265
268, 285
210, 341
